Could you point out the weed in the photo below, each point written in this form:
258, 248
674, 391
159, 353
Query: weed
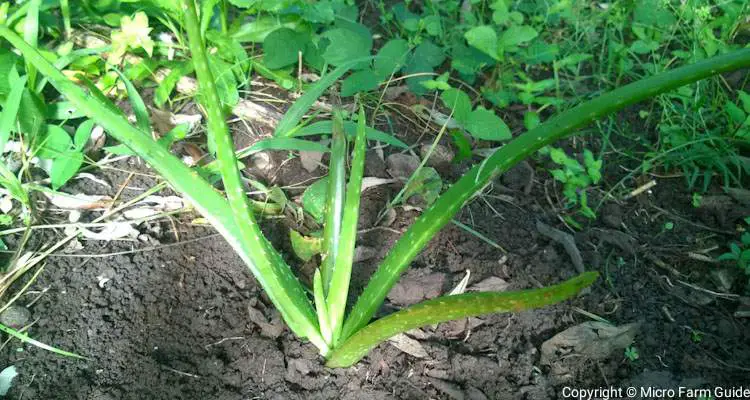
576, 178
739, 252
631, 353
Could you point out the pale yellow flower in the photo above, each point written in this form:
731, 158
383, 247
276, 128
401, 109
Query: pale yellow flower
133, 34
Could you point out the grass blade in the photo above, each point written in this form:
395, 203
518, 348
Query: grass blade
324, 127
283, 287
334, 201
143, 121
11, 106
65, 9
448, 308
342, 270
566, 123
26, 339
31, 35
294, 115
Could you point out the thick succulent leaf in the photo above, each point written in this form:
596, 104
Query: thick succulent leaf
342, 270
335, 197
556, 128
448, 308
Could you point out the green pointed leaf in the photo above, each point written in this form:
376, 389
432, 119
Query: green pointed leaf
515, 35
335, 198
65, 167
360, 81
429, 53
314, 199
322, 307
459, 102
166, 86
391, 58
83, 133
32, 115
347, 44
294, 115
745, 100
10, 108
735, 113
324, 127
462, 145
553, 129
143, 121
342, 271
282, 46
305, 247
426, 183
55, 143
484, 124
483, 38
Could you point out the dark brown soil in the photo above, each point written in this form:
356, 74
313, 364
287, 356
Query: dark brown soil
187, 320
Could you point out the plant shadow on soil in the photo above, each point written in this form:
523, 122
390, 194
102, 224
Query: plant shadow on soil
188, 321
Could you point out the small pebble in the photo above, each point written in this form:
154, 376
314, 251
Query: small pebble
15, 316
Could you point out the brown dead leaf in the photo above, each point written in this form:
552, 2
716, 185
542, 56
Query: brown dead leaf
592, 340
491, 284
79, 201
310, 160
408, 345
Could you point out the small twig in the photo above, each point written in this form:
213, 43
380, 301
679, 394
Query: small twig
702, 257
224, 340
566, 240
667, 314
726, 296
639, 190
181, 373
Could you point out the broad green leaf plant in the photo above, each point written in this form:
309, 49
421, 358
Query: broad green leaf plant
344, 338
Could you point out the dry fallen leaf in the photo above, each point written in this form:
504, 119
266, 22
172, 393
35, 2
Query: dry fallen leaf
79, 201
461, 287
593, 340
93, 178
310, 160
112, 231
402, 166
408, 345
491, 284
370, 182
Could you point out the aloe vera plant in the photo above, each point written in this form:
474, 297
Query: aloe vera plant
344, 339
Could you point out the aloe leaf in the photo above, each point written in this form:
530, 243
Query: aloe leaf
448, 308
342, 270
558, 127
275, 279
334, 200
291, 299
294, 115
322, 308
